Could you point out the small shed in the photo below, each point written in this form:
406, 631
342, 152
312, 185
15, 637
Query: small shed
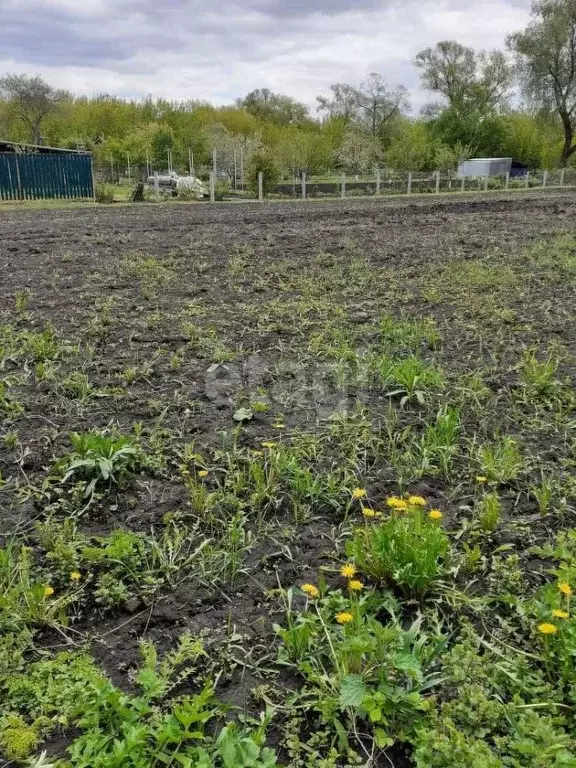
484, 166
30, 172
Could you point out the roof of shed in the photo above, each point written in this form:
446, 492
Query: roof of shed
488, 160
19, 146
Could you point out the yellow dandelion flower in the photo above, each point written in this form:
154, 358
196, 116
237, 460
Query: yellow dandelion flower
344, 617
367, 512
547, 629
48, 591
560, 614
75, 576
565, 588
395, 503
355, 585
310, 590
359, 493
417, 501
348, 571
435, 514
269, 445
203, 473
481, 479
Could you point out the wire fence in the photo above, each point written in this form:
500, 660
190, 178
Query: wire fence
222, 184
390, 184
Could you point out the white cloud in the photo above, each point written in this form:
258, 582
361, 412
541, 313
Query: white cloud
73, 7
185, 49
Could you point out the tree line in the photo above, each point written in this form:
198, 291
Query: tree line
519, 103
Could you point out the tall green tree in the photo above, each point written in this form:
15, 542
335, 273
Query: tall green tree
262, 162
546, 54
470, 82
31, 100
379, 104
303, 151
276, 107
413, 150
342, 103
371, 106
482, 133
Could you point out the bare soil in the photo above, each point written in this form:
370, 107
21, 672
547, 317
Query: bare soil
225, 266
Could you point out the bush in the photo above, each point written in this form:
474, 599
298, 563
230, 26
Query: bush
104, 193
222, 189
262, 162
187, 194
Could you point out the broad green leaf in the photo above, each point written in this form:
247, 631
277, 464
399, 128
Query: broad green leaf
352, 691
243, 414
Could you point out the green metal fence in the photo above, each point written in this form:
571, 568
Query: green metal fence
32, 176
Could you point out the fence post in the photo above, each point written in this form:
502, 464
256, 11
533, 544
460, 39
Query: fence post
156, 187
507, 179
527, 179
303, 186
463, 185
378, 181
212, 187
260, 186
437, 182
93, 179
485, 183
409, 192
562, 177
18, 180
545, 178
343, 186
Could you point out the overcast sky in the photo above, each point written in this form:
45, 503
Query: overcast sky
220, 49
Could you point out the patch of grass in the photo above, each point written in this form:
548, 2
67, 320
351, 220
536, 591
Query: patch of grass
26, 601
502, 460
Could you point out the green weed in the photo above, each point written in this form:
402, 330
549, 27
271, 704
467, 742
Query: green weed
489, 512
501, 461
25, 600
406, 551
359, 668
97, 460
